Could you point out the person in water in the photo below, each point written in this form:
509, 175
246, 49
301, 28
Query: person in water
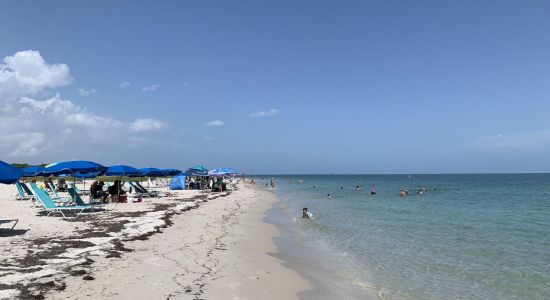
328, 195
357, 187
341, 187
305, 213
372, 191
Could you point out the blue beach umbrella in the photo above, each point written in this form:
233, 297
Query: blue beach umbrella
221, 171
230, 171
197, 171
151, 172
171, 172
8, 173
32, 171
217, 172
73, 167
121, 170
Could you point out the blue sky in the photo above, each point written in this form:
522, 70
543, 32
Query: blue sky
293, 87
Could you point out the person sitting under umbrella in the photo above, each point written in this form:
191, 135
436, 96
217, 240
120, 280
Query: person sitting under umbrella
96, 191
117, 193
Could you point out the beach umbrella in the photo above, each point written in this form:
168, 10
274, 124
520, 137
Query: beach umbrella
121, 170
8, 173
73, 167
221, 171
171, 172
197, 171
217, 172
77, 168
151, 172
230, 171
32, 171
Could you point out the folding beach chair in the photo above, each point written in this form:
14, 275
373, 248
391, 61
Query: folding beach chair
52, 208
78, 200
15, 221
21, 195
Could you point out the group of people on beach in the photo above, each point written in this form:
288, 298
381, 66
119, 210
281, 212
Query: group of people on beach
113, 193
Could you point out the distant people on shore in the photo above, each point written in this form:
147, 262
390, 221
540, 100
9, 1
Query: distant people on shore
372, 191
272, 183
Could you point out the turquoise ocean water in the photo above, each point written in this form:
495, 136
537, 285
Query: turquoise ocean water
466, 237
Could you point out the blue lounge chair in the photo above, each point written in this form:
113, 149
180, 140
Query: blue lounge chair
80, 192
55, 196
21, 194
76, 198
140, 189
50, 206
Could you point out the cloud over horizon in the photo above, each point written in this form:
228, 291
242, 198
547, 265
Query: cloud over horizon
263, 114
215, 123
85, 93
33, 122
150, 88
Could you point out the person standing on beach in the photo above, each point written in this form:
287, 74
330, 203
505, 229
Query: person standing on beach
272, 183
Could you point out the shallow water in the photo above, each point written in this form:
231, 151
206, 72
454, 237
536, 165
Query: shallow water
467, 236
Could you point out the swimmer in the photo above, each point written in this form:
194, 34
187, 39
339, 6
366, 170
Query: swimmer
341, 187
305, 214
313, 186
357, 187
373, 191
328, 195
403, 193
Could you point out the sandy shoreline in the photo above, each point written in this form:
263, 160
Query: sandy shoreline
189, 246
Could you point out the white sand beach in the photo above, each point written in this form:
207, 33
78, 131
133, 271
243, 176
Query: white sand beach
191, 245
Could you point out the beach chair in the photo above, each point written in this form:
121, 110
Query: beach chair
143, 190
78, 190
55, 196
78, 200
135, 191
52, 208
15, 221
21, 194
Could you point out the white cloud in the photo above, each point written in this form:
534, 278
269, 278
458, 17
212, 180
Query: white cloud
529, 140
142, 125
269, 113
35, 123
23, 143
150, 88
26, 73
86, 93
125, 84
215, 123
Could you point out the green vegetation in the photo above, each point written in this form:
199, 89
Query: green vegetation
23, 165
